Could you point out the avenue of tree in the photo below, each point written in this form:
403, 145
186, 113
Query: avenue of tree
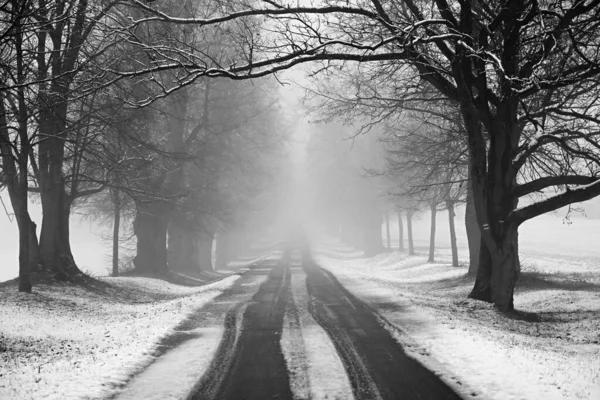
522, 75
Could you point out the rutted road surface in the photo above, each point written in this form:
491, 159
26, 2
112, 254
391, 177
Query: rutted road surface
250, 363
297, 335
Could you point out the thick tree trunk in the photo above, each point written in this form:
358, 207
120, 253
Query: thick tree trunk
505, 272
116, 228
150, 228
183, 250
451, 215
400, 232
55, 249
387, 231
409, 233
473, 232
433, 210
482, 290
222, 250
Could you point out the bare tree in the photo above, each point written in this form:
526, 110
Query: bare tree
524, 74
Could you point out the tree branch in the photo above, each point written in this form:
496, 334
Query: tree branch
554, 203
548, 181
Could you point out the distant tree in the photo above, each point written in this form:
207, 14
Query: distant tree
428, 156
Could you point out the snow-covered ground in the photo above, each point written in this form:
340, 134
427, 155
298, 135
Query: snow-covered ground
66, 342
550, 349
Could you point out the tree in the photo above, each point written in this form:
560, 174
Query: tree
524, 74
15, 135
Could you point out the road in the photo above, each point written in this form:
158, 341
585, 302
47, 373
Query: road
251, 364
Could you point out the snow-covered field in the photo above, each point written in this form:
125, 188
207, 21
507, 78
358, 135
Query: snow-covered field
66, 342
549, 349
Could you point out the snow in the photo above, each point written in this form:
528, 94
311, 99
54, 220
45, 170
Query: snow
173, 375
316, 371
67, 342
549, 349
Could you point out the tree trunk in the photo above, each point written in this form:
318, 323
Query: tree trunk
400, 232
34, 247
55, 249
451, 215
409, 232
28, 250
222, 251
482, 290
505, 272
387, 231
433, 209
24, 259
473, 232
150, 228
206, 246
16, 182
116, 226
184, 249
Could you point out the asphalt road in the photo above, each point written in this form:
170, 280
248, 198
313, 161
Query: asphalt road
250, 365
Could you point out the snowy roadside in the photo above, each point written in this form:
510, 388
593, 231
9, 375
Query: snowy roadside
69, 342
549, 350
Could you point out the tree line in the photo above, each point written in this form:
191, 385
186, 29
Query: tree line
522, 76
182, 161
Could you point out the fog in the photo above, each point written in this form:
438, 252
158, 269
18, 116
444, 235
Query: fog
328, 182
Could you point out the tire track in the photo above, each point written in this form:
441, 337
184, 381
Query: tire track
250, 364
376, 364
315, 368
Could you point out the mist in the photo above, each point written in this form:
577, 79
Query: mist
330, 199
